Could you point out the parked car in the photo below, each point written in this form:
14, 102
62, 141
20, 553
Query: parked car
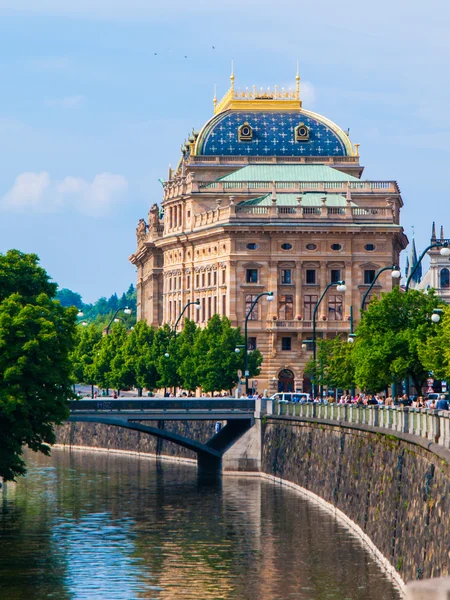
436, 396
291, 397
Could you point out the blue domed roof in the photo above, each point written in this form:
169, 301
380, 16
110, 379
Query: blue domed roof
272, 135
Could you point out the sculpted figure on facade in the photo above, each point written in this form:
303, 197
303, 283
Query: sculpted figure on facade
153, 216
141, 231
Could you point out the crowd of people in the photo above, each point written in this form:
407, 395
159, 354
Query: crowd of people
440, 403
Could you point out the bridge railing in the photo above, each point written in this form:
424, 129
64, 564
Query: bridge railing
432, 425
167, 404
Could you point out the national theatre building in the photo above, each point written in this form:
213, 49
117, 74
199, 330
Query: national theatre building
270, 197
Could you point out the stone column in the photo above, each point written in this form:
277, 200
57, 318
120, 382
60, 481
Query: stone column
272, 286
429, 589
323, 281
298, 290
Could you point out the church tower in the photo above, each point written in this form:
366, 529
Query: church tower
438, 274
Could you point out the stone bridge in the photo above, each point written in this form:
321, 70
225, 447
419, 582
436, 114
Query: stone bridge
144, 416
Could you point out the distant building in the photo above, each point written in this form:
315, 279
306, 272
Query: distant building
438, 274
411, 262
268, 196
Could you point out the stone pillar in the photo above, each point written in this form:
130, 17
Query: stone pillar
298, 290
429, 589
323, 282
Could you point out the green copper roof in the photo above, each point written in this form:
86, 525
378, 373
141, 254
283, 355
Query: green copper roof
309, 199
288, 173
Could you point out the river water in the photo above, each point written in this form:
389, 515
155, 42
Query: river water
94, 526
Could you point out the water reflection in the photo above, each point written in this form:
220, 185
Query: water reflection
93, 526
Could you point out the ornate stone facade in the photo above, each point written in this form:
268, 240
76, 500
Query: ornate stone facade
270, 210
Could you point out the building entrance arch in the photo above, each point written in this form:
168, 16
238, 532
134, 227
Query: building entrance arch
286, 381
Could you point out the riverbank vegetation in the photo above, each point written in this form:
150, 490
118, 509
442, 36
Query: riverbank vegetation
154, 358
396, 340
37, 335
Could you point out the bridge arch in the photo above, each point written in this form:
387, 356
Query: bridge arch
200, 449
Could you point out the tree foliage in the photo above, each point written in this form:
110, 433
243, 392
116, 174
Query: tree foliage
391, 337
36, 337
150, 358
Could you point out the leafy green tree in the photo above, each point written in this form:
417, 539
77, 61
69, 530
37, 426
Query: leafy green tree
217, 362
87, 345
109, 370
434, 353
68, 298
389, 339
167, 366
139, 356
36, 336
187, 360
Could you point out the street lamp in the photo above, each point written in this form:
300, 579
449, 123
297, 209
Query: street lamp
436, 316
255, 301
340, 287
351, 338
125, 309
444, 251
196, 303
395, 274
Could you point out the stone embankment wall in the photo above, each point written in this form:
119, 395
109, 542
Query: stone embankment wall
97, 435
395, 490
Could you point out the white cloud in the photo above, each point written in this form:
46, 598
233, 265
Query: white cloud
27, 192
67, 102
94, 198
38, 193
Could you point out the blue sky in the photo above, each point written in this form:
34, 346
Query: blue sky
90, 117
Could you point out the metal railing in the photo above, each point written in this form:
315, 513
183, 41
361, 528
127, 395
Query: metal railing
432, 425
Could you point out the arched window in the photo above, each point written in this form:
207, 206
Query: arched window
445, 278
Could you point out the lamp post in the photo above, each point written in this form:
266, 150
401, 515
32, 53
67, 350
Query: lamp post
445, 251
195, 303
395, 274
125, 309
255, 301
340, 287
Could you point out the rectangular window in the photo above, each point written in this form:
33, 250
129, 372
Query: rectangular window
335, 307
224, 304
369, 276
188, 282
249, 299
215, 277
170, 310
224, 274
335, 275
286, 307
252, 276
251, 343
209, 307
310, 276
197, 280
286, 276
203, 280
310, 302
215, 305
209, 278
179, 282
203, 310
286, 344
